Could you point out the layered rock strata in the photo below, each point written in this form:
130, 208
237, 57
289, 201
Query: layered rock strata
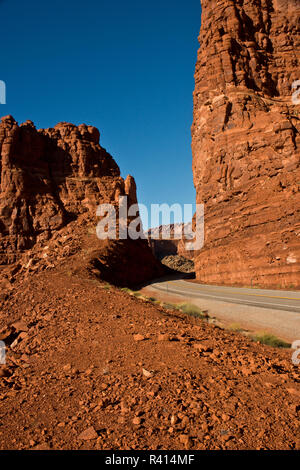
246, 142
52, 181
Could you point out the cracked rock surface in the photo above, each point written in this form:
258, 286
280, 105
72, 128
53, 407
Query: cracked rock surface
246, 142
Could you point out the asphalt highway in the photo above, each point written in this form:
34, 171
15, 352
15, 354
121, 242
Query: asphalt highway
270, 299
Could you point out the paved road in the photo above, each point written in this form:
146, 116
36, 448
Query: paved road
272, 299
273, 311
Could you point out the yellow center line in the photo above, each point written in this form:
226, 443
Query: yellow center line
237, 293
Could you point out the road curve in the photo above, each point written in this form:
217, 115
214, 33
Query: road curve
273, 311
272, 299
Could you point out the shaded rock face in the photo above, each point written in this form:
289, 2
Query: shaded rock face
51, 182
246, 142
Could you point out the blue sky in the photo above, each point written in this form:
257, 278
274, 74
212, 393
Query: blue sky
126, 67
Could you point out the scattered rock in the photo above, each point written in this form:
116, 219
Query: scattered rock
136, 421
139, 337
163, 337
147, 374
88, 435
20, 326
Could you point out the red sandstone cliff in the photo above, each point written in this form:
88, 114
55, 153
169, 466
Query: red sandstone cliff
51, 182
246, 142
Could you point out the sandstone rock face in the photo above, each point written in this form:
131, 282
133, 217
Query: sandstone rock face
51, 182
246, 142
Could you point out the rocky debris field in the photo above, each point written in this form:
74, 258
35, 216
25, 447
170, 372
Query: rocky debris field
92, 367
178, 263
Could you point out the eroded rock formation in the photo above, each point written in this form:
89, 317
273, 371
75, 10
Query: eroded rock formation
51, 182
246, 142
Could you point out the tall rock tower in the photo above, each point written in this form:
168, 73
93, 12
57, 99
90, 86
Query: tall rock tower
246, 142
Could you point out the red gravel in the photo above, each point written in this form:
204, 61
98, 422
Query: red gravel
91, 367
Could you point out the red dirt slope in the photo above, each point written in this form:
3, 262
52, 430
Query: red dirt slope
91, 367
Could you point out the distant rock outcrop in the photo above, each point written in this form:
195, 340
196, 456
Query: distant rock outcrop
246, 142
170, 240
51, 182
179, 264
